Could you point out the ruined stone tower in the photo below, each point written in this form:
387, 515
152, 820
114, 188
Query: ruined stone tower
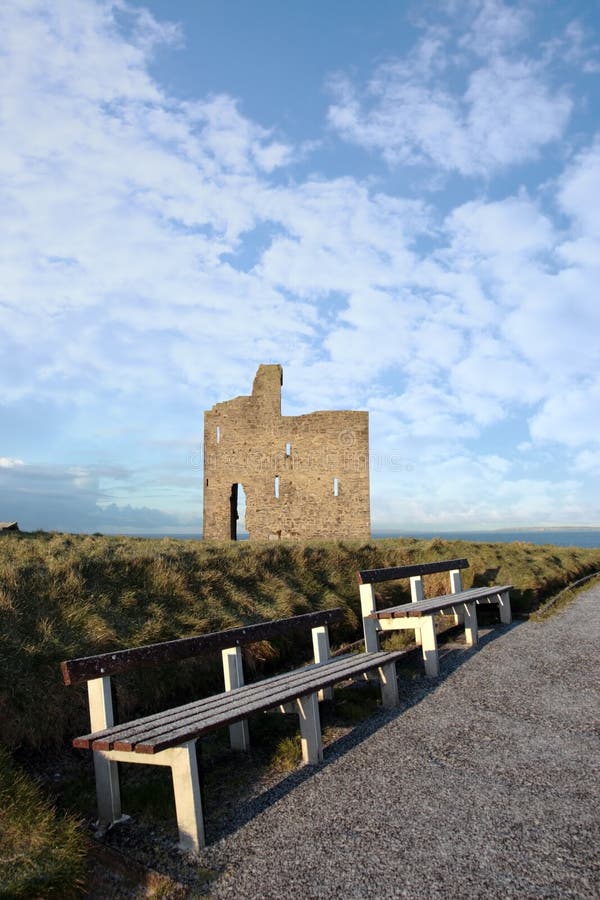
303, 476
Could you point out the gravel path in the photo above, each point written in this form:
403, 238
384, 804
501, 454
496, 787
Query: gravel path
485, 783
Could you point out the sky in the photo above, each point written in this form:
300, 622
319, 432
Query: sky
397, 201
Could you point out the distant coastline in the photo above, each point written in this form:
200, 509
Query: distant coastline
553, 528
567, 536
562, 536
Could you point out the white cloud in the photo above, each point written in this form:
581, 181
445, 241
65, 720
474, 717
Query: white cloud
118, 204
495, 27
571, 416
154, 252
462, 491
588, 461
579, 189
513, 227
508, 111
71, 498
576, 47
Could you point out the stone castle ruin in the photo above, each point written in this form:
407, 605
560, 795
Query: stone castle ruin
303, 476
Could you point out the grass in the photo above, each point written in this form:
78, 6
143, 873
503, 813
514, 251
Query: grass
41, 854
73, 595
63, 596
562, 600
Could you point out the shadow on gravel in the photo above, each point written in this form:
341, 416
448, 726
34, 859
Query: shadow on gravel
414, 687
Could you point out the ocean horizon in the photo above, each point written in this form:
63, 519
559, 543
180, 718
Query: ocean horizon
568, 537
560, 537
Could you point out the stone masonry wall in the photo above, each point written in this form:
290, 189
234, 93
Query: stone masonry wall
303, 476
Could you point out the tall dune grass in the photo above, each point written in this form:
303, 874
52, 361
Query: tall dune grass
63, 596
41, 854
74, 595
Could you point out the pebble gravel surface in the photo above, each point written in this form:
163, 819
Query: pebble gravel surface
484, 784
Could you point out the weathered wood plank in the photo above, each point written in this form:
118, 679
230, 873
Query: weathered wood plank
424, 607
75, 671
175, 715
393, 573
168, 729
284, 696
214, 704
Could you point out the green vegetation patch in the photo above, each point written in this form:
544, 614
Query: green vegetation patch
64, 596
41, 854
563, 599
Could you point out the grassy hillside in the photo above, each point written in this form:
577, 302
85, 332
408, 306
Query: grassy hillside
41, 854
73, 595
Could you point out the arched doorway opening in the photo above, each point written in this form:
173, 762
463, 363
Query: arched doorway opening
237, 506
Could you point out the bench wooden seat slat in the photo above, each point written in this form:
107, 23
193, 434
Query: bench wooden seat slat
394, 573
186, 723
423, 607
180, 713
278, 697
173, 714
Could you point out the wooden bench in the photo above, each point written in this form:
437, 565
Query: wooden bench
419, 614
168, 738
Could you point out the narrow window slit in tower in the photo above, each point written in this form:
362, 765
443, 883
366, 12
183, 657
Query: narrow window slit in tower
336, 487
288, 449
277, 487
218, 434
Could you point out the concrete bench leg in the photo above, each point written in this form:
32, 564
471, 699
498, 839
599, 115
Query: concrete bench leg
188, 802
322, 653
108, 792
416, 594
456, 588
470, 620
233, 673
389, 685
367, 605
310, 729
186, 786
429, 647
505, 611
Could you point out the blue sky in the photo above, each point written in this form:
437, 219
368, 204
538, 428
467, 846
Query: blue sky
398, 202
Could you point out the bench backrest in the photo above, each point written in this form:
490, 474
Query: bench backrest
368, 577
85, 668
393, 573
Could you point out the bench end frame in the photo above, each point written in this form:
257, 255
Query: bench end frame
108, 790
370, 628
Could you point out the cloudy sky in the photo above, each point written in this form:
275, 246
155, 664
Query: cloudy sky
399, 202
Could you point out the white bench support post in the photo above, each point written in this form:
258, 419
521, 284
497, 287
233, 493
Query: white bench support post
188, 802
367, 605
389, 685
322, 652
504, 607
429, 647
108, 791
233, 672
456, 588
186, 786
470, 620
310, 729
416, 594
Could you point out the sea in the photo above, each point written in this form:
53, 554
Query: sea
568, 537
560, 538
